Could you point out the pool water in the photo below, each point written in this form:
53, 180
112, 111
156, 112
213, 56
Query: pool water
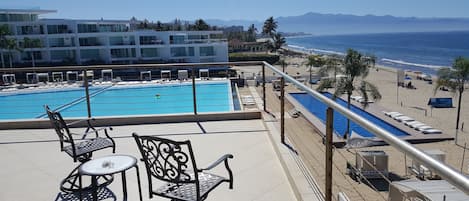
122, 100
318, 109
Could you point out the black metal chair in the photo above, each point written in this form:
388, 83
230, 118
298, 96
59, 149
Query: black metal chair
81, 150
71, 190
173, 162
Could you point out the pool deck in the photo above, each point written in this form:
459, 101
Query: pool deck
376, 110
33, 166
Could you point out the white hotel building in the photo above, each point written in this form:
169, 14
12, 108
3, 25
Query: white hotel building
106, 41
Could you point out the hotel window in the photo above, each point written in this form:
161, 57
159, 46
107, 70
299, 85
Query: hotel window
207, 51
122, 53
191, 51
57, 29
90, 54
90, 41
27, 55
149, 52
87, 28
178, 51
177, 39
149, 40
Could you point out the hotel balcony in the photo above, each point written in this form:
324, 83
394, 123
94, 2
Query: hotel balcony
281, 151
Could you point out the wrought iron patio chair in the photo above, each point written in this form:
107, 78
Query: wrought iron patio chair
173, 163
70, 189
80, 150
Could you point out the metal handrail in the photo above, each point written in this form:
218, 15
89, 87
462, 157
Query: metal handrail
126, 66
445, 171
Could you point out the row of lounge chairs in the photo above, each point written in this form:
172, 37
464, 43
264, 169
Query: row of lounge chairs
412, 123
360, 99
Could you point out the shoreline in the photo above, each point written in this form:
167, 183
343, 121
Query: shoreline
395, 64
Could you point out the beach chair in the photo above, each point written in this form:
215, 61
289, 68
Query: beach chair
390, 113
356, 98
248, 100
422, 128
394, 116
410, 123
416, 126
80, 150
404, 118
432, 131
173, 163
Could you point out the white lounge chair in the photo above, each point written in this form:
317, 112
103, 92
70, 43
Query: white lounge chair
432, 131
248, 100
422, 128
409, 123
394, 116
404, 119
355, 97
362, 100
390, 113
416, 126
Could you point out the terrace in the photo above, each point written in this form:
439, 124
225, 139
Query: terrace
274, 156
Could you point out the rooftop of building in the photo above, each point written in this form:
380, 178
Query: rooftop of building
36, 165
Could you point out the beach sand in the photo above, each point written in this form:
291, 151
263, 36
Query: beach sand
308, 142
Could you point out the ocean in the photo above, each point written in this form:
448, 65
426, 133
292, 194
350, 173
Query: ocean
425, 51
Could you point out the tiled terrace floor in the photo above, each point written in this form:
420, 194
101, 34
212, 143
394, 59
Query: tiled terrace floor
32, 165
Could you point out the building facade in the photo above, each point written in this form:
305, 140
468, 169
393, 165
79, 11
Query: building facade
81, 42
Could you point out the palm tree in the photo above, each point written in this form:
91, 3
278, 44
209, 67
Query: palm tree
251, 33
454, 79
314, 61
270, 27
4, 31
278, 41
201, 25
158, 26
355, 68
31, 43
11, 46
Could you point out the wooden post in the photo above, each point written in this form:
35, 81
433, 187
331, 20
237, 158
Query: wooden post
282, 110
194, 97
263, 88
87, 92
329, 127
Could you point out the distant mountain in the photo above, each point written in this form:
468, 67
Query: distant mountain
328, 24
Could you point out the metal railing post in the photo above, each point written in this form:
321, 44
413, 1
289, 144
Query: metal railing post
263, 88
282, 110
329, 128
194, 97
87, 92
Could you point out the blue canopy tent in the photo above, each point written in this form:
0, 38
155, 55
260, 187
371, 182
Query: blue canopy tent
440, 102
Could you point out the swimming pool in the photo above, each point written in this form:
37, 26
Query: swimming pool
121, 100
318, 109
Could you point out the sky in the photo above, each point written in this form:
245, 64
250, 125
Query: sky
168, 10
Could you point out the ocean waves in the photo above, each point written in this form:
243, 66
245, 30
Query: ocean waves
412, 64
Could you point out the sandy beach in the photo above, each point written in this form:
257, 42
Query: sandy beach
309, 143
411, 102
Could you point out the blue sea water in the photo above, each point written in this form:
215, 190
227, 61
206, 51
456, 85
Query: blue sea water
426, 51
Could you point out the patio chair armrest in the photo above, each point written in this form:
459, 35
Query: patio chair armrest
217, 162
